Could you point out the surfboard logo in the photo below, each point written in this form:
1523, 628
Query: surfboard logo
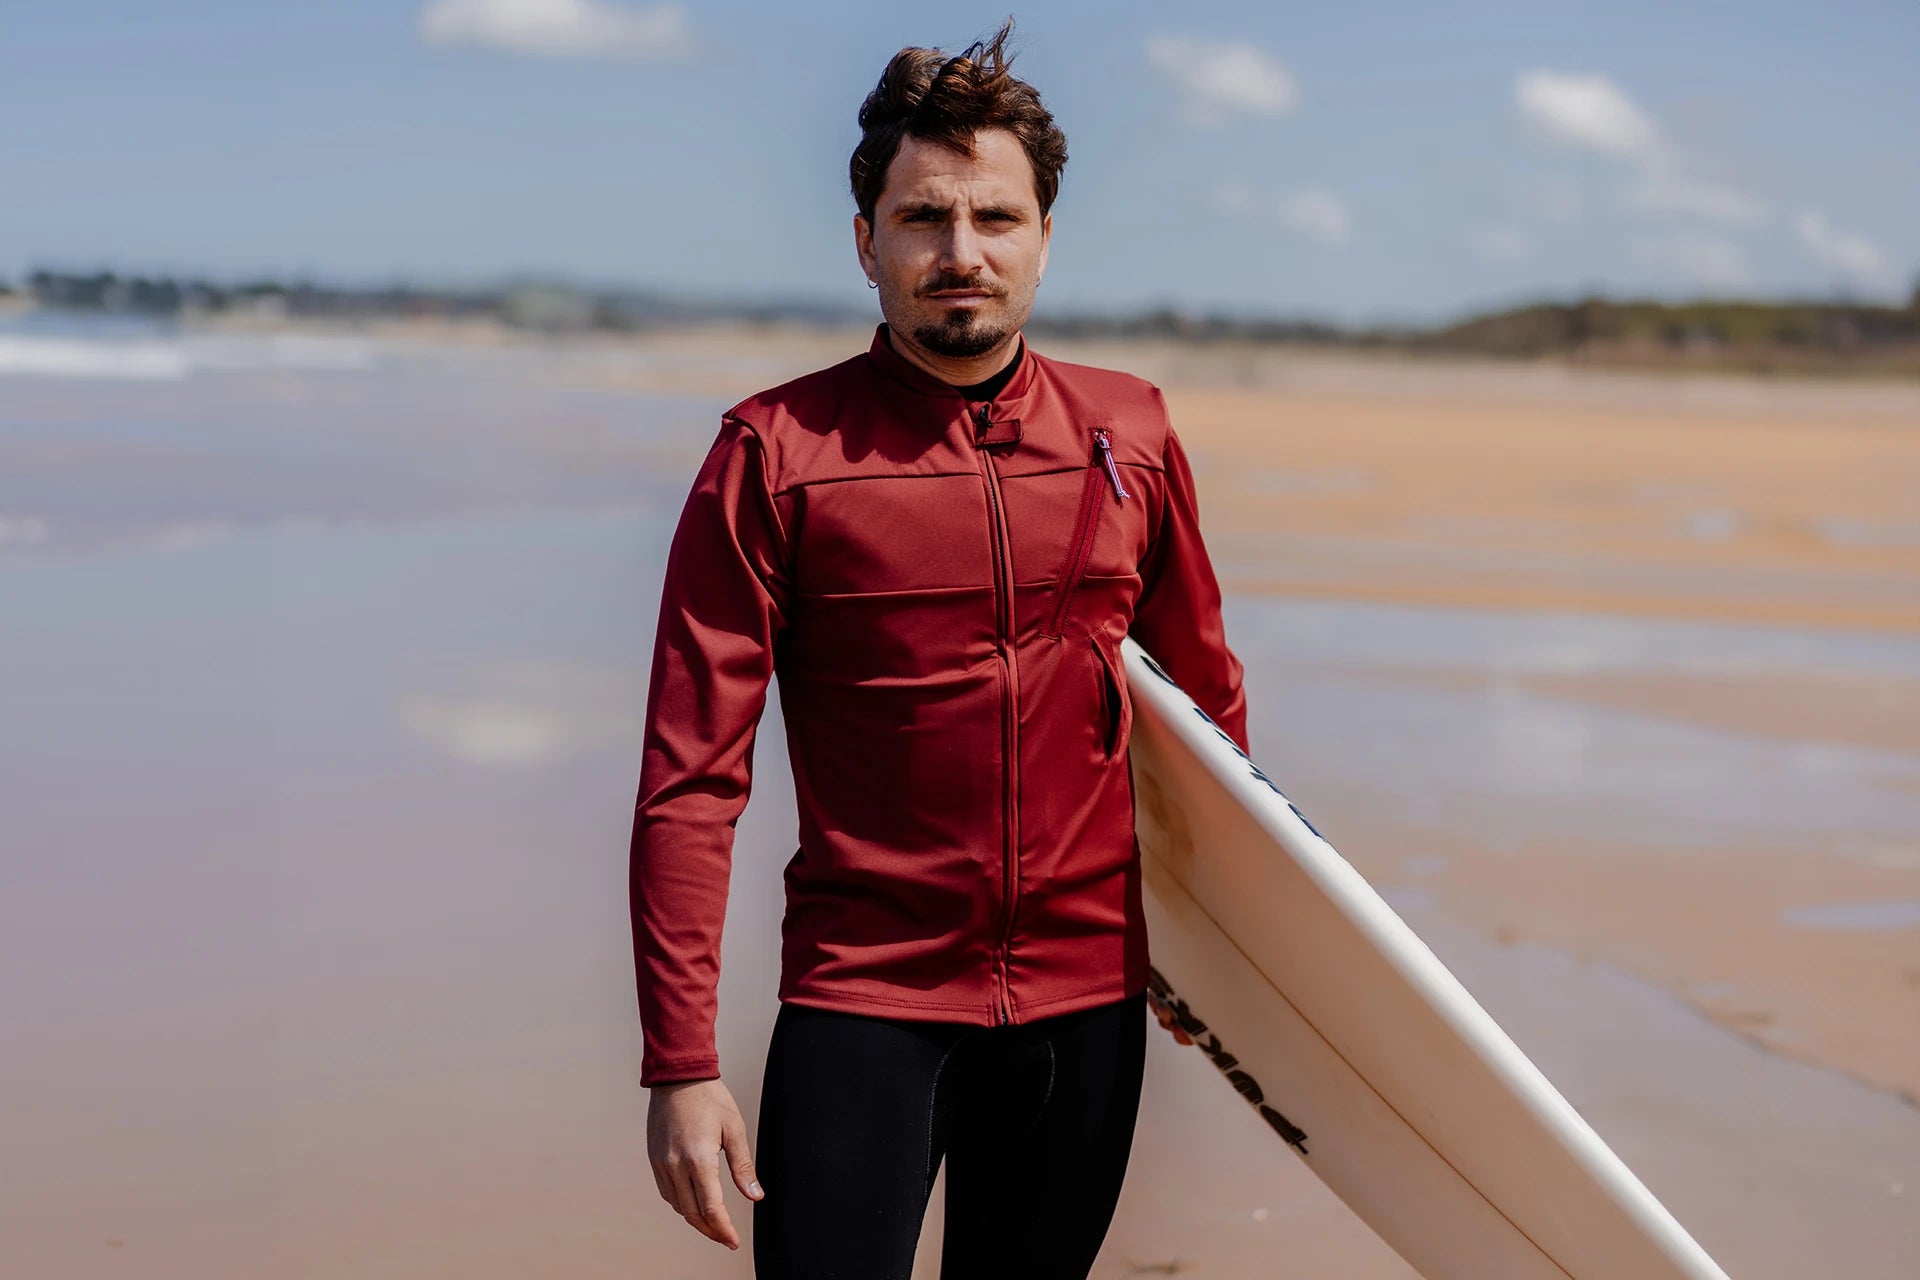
1242, 1080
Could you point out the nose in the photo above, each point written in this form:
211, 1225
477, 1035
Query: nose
962, 254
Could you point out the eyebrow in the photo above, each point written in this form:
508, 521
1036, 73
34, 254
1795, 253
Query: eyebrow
929, 206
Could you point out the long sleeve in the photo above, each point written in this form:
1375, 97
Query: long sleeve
721, 607
1177, 617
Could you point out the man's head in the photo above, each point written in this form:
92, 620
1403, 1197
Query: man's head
955, 176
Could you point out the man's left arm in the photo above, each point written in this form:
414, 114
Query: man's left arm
1177, 617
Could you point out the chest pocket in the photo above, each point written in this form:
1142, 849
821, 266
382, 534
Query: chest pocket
1102, 487
894, 534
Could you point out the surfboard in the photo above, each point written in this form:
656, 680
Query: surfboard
1351, 1040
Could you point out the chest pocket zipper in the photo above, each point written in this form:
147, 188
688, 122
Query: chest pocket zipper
1086, 527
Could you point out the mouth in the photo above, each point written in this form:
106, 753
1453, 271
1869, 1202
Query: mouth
961, 291
961, 295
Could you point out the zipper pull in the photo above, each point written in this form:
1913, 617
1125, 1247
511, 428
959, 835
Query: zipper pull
981, 417
1104, 439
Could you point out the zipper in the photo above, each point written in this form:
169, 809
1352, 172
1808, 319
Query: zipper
1109, 703
1113, 695
1104, 438
1086, 527
1009, 718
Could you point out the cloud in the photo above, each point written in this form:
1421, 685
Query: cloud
1313, 213
1217, 80
1592, 113
1501, 244
1708, 261
560, 28
1587, 111
1855, 257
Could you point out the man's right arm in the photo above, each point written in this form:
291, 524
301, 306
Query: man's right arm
722, 604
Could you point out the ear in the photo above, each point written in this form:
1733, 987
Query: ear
863, 246
1046, 242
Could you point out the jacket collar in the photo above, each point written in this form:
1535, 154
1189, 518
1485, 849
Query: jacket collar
904, 371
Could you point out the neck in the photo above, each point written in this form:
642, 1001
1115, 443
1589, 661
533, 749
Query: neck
952, 370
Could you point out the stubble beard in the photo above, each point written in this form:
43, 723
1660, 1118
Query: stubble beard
961, 335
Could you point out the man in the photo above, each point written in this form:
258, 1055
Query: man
938, 545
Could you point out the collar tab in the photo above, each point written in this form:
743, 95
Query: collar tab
988, 432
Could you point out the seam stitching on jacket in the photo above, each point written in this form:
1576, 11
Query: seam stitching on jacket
946, 475
1034, 585
773, 493
853, 997
1078, 995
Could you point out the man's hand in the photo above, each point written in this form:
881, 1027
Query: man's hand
1168, 1018
691, 1125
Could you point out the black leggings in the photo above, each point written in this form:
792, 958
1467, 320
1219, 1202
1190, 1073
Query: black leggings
1035, 1121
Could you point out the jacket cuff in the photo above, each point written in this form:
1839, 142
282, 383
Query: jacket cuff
676, 1069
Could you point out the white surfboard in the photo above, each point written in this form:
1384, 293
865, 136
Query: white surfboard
1352, 1040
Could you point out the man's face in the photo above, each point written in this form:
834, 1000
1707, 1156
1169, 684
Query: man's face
957, 244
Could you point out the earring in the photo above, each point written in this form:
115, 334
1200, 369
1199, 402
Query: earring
873, 284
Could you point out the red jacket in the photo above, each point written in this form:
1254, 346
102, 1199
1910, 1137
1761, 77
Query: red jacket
942, 586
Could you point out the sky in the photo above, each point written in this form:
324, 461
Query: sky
1364, 162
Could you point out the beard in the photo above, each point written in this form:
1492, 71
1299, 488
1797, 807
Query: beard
960, 335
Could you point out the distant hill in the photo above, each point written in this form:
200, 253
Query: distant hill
1754, 336
1803, 336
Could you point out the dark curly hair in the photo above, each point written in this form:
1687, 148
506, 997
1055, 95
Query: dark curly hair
947, 100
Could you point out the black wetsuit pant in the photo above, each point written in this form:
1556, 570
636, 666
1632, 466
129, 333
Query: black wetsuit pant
1035, 1122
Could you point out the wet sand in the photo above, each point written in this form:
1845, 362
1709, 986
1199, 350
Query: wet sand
324, 721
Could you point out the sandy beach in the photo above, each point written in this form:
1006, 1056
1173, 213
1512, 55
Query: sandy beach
1610, 682
1539, 488
1798, 514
